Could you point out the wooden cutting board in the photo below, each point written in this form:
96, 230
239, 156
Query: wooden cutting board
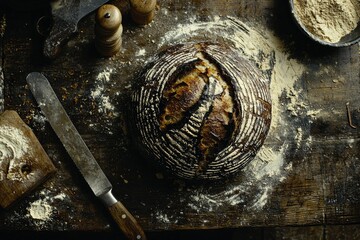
23, 162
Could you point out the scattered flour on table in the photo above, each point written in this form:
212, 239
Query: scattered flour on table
99, 93
13, 146
39, 120
42, 210
103, 103
263, 48
162, 217
141, 52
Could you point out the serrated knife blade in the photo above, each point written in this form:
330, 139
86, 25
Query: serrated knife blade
80, 153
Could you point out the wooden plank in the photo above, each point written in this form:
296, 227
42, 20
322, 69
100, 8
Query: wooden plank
2, 32
326, 232
330, 232
342, 232
299, 233
314, 182
24, 163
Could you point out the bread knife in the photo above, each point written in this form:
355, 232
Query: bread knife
81, 155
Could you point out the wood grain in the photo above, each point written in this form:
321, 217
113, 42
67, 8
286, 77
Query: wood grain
19, 176
126, 222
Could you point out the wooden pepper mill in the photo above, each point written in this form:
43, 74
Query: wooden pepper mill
108, 30
142, 11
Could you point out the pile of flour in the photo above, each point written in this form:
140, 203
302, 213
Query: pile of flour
329, 20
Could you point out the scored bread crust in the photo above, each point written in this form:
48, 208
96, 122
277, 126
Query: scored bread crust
201, 110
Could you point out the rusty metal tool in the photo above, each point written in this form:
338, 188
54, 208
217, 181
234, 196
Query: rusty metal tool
66, 15
81, 155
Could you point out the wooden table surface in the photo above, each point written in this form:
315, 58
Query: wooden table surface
307, 173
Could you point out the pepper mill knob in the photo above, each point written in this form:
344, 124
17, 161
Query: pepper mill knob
142, 11
108, 30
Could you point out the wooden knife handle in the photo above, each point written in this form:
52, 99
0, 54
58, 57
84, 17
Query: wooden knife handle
126, 222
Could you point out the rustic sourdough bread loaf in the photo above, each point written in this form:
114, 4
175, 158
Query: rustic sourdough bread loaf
201, 110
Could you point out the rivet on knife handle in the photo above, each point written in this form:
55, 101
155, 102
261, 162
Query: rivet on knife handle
126, 222
80, 154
